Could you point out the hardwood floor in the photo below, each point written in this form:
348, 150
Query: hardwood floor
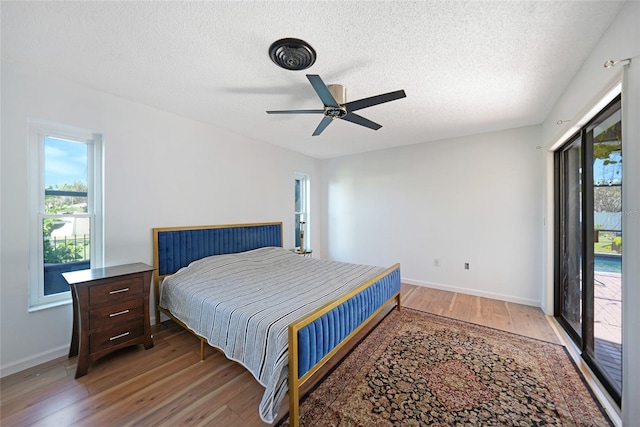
507, 316
169, 385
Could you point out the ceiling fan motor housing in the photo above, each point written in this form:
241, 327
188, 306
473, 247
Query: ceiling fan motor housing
339, 93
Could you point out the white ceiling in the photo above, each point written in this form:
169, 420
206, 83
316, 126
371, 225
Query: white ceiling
467, 66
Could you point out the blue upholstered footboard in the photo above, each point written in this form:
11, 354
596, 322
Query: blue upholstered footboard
317, 338
321, 336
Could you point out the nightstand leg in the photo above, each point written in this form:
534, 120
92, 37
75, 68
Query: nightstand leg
83, 364
148, 342
75, 340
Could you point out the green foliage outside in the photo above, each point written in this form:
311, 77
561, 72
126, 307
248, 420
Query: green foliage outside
67, 204
603, 151
608, 199
66, 250
608, 243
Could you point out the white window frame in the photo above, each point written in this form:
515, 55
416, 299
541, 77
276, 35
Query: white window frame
305, 211
37, 132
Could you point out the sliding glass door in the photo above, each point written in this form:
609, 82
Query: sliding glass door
571, 237
589, 243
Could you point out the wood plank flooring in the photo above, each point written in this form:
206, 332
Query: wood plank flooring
506, 316
168, 385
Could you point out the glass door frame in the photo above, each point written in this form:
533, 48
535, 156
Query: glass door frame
585, 340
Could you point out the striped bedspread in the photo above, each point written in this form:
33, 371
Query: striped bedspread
243, 304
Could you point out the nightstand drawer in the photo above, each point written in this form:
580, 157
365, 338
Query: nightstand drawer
115, 290
117, 314
115, 336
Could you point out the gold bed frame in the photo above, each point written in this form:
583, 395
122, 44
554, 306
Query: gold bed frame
295, 383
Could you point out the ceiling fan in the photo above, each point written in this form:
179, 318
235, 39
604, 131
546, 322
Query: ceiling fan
335, 106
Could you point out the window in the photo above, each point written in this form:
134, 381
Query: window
302, 211
65, 211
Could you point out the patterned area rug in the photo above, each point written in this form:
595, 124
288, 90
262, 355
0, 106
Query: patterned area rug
419, 369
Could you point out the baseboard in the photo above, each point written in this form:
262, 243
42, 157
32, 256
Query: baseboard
475, 292
34, 360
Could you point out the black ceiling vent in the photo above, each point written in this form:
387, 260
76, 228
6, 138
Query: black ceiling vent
292, 54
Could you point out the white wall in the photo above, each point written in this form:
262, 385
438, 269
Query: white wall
160, 170
621, 40
474, 199
631, 239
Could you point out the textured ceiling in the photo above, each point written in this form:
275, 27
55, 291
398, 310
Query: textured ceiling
467, 66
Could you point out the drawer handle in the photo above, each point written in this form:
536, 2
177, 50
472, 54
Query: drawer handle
119, 313
118, 291
119, 336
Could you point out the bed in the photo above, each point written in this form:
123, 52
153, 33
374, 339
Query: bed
281, 315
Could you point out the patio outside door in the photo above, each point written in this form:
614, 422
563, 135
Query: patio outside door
589, 244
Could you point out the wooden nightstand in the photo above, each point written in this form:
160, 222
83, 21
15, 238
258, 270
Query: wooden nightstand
110, 311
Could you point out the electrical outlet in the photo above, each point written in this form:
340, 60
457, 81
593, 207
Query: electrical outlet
436, 262
466, 265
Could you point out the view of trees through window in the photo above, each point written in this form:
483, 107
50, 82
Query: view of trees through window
64, 199
607, 189
66, 223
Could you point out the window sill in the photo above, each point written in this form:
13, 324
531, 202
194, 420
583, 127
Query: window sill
47, 305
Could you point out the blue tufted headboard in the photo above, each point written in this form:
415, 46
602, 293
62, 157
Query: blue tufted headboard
176, 247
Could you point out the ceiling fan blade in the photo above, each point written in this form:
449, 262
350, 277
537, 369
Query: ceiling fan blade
374, 100
359, 120
326, 120
296, 112
322, 90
